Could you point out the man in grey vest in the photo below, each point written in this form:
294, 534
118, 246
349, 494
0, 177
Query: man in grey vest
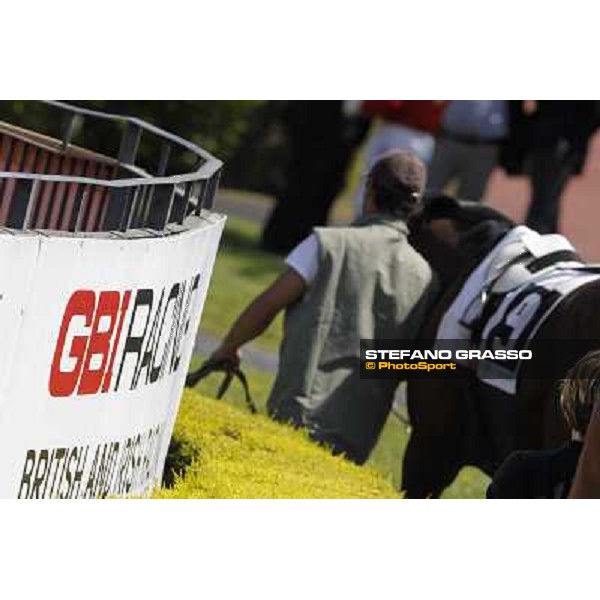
344, 284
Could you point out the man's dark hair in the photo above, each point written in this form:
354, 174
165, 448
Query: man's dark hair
580, 390
398, 180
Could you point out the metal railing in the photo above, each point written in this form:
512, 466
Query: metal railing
36, 193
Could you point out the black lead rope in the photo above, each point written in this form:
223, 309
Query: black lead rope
231, 370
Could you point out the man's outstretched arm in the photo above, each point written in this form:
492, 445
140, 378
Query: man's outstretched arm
259, 314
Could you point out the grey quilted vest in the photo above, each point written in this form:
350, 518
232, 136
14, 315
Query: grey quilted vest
371, 284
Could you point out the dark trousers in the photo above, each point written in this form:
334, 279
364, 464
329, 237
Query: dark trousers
321, 142
314, 179
549, 170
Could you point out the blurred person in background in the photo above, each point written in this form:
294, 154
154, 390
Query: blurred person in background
401, 125
548, 141
322, 139
468, 147
341, 285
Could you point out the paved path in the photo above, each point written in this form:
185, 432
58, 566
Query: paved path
580, 218
253, 356
252, 207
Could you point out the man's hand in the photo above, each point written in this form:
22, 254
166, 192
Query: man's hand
228, 353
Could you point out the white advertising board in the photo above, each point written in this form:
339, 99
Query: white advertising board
96, 336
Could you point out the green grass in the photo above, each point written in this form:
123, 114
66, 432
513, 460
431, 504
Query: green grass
241, 272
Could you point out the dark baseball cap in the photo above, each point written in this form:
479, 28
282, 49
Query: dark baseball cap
398, 179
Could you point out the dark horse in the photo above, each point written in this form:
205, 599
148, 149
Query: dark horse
462, 421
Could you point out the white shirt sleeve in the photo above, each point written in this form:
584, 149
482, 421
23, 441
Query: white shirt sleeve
304, 258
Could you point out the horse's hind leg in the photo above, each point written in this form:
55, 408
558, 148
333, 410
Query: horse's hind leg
430, 465
434, 454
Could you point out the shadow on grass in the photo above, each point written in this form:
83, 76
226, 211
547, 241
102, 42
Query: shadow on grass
234, 239
240, 235
180, 456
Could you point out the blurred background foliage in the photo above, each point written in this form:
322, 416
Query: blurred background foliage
216, 125
232, 130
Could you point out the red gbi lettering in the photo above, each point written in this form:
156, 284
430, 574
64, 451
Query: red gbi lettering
93, 354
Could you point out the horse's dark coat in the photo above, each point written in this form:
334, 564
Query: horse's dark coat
463, 421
